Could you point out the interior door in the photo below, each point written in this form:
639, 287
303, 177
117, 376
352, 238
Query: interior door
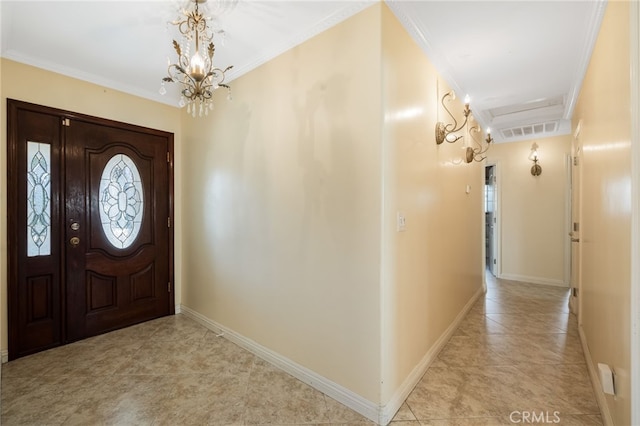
89, 214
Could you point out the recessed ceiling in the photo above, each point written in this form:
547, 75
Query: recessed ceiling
522, 62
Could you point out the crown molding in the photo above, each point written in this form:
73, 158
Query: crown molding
422, 36
348, 10
595, 21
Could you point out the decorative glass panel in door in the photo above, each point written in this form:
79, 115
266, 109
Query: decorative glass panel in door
121, 201
38, 199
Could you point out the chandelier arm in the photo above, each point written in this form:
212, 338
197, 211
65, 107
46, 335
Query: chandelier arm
206, 94
175, 70
184, 62
215, 71
182, 75
201, 27
206, 87
183, 27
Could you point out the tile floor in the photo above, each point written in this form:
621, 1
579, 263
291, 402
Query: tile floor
515, 358
517, 351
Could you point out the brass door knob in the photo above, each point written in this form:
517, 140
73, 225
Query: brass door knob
74, 241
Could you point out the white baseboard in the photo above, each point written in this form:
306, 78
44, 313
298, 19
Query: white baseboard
5, 355
390, 409
533, 280
178, 309
341, 394
379, 414
601, 399
374, 412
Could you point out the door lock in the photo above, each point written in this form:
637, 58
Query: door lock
75, 226
74, 241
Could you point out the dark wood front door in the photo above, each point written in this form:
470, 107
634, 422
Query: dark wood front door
91, 247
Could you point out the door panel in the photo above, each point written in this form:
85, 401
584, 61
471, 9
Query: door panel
67, 279
35, 311
105, 281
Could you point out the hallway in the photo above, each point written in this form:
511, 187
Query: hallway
516, 355
517, 351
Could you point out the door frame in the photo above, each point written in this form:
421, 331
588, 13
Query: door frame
13, 199
568, 220
574, 177
634, 56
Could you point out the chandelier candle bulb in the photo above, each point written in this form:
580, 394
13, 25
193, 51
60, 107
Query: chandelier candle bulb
197, 67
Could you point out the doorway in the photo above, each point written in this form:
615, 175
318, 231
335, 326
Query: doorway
575, 188
89, 226
491, 218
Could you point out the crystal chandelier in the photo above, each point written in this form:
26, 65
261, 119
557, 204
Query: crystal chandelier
195, 72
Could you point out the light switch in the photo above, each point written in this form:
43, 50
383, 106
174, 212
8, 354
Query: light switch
401, 222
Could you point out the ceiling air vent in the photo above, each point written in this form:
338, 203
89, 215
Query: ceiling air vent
538, 129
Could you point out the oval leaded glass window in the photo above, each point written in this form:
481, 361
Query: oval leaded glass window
121, 201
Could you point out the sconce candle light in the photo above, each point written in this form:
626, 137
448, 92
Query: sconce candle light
476, 154
536, 170
447, 131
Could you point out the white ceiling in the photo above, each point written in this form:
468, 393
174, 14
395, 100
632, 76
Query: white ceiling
522, 62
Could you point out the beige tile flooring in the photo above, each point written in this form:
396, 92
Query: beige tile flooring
516, 351
516, 357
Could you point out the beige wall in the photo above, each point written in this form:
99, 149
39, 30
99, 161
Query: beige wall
603, 108
282, 232
29, 84
290, 239
433, 268
533, 216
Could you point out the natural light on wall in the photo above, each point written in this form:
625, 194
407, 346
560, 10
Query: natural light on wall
404, 114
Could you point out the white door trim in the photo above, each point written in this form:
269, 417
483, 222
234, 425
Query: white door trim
568, 220
634, 56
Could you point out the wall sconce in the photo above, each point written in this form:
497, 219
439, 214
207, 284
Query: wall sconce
476, 154
536, 170
446, 132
